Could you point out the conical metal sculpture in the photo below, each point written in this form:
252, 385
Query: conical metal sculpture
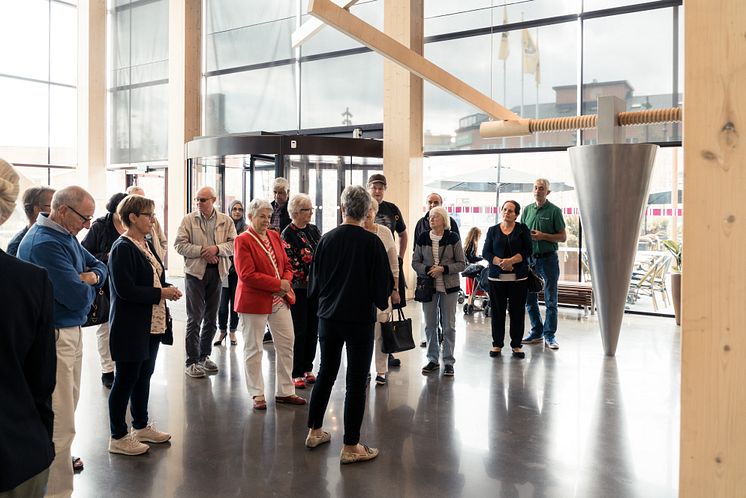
612, 182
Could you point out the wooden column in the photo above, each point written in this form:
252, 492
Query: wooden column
713, 338
402, 118
184, 113
92, 99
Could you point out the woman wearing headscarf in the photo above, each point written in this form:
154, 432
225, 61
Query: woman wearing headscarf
507, 248
263, 296
98, 241
138, 326
228, 291
300, 239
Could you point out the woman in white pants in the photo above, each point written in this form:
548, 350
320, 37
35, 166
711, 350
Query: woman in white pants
263, 295
381, 359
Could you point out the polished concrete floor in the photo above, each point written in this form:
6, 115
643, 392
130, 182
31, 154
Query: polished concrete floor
558, 424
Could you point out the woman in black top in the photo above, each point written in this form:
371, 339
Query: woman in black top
228, 291
507, 249
350, 277
300, 239
98, 241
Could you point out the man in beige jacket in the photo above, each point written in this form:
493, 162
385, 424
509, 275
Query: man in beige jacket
205, 239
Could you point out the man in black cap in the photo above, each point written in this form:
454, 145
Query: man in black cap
389, 215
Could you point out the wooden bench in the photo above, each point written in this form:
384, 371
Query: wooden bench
574, 293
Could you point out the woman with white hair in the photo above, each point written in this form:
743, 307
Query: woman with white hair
264, 295
383, 233
439, 258
351, 277
300, 239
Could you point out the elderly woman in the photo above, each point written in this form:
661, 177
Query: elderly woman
383, 233
138, 319
351, 277
98, 241
507, 248
228, 290
438, 255
300, 239
264, 295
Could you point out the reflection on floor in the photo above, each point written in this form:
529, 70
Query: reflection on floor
559, 423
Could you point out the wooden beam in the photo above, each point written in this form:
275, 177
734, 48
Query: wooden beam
312, 26
369, 36
713, 336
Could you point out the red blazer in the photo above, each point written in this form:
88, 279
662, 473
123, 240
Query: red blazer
257, 280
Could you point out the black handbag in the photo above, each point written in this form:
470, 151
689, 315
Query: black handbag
168, 336
99, 312
396, 335
425, 289
535, 282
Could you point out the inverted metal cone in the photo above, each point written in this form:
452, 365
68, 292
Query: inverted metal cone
612, 185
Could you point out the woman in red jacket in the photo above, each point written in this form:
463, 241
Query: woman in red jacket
263, 295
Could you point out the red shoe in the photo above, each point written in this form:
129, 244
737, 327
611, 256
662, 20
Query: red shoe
260, 403
291, 400
309, 377
299, 383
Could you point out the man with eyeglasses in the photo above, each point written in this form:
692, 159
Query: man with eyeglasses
280, 216
205, 239
35, 200
76, 276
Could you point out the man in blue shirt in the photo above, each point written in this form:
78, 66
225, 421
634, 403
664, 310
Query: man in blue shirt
75, 275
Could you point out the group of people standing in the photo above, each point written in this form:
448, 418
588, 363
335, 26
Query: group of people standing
274, 271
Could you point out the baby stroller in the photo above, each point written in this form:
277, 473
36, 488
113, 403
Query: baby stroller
476, 276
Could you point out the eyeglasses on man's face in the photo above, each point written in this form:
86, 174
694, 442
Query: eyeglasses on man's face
86, 219
203, 199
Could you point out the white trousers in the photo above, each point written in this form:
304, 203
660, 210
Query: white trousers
381, 359
64, 400
281, 326
104, 353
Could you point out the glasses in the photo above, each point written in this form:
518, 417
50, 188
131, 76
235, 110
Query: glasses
310, 210
149, 215
279, 192
238, 209
203, 199
86, 219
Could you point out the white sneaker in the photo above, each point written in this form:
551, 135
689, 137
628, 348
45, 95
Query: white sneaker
208, 365
149, 434
127, 445
194, 370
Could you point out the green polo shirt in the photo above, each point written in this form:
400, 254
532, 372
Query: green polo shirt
548, 219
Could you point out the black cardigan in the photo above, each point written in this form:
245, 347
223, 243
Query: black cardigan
101, 237
28, 367
505, 246
132, 299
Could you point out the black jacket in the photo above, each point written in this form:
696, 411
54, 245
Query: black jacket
101, 237
28, 365
132, 299
284, 215
506, 246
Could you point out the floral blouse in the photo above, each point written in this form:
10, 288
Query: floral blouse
300, 244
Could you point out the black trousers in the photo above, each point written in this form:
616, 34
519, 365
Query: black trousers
132, 385
306, 327
227, 300
357, 338
510, 296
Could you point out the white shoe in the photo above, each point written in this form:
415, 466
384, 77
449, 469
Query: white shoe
149, 434
127, 445
208, 365
194, 370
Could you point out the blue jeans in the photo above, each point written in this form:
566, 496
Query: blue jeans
548, 269
442, 308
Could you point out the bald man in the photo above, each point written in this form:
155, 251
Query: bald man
205, 239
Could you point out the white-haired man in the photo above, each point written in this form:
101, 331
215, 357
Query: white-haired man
205, 239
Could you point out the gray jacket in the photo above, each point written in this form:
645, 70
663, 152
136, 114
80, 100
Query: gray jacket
451, 258
191, 238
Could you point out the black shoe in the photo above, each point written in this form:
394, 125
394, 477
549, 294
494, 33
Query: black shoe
394, 362
267, 338
448, 371
423, 344
107, 379
221, 338
495, 351
430, 367
518, 353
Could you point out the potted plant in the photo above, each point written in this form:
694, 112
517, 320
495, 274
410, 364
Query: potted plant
674, 248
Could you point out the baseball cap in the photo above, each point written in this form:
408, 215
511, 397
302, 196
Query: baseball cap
377, 178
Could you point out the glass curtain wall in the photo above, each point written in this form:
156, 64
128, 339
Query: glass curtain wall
38, 95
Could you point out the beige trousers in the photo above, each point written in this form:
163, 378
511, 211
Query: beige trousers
281, 326
104, 353
64, 400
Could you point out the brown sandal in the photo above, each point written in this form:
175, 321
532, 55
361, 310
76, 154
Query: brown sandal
260, 403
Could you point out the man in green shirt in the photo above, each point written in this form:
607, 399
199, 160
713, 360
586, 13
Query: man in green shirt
547, 226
